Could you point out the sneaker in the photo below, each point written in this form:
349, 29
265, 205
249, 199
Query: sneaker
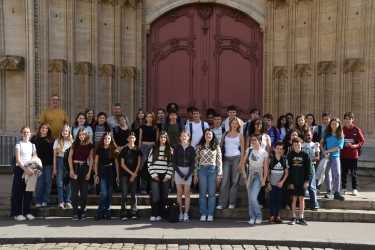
20, 218
278, 220
293, 221
328, 196
62, 206
68, 205
302, 222
231, 206
75, 217
210, 218
315, 208
271, 220
181, 217
343, 191
186, 217
219, 207
44, 204
83, 216
251, 221
124, 218
339, 197
38, 205
99, 217
158, 218
258, 221
30, 216
355, 192
203, 218
152, 218
134, 217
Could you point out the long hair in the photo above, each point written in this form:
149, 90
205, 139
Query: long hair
49, 132
93, 117
213, 143
279, 125
233, 120
112, 147
313, 117
77, 141
301, 130
167, 151
106, 126
153, 122
76, 119
60, 139
263, 130
339, 132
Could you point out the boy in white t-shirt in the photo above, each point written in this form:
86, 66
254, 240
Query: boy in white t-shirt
196, 127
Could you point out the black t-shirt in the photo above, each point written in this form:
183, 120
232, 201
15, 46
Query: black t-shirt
299, 167
148, 133
105, 159
130, 157
121, 136
44, 149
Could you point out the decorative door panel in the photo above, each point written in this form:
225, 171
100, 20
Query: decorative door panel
205, 55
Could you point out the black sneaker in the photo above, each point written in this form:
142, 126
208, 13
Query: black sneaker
339, 197
293, 221
75, 217
83, 216
99, 217
108, 217
302, 221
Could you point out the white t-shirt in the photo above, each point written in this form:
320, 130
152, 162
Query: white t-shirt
232, 146
56, 146
197, 131
256, 160
26, 149
311, 148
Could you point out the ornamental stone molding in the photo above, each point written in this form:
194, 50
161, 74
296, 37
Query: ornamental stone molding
106, 70
57, 66
280, 72
12, 63
111, 2
354, 65
129, 3
83, 68
280, 3
326, 67
302, 69
128, 72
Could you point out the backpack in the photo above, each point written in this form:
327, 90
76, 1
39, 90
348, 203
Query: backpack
173, 212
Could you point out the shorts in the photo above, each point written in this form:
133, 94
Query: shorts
181, 181
298, 190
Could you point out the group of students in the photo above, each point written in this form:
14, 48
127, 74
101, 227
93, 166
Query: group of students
156, 151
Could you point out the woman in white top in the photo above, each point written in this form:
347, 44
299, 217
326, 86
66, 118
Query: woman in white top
232, 145
255, 173
259, 129
21, 199
60, 171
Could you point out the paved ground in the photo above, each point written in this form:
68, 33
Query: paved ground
92, 246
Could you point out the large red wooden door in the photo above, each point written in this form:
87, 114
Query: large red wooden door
206, 55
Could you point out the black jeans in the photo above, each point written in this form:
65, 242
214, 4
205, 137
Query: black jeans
79, 185
346, 166
21, 200
128, 187
159, 197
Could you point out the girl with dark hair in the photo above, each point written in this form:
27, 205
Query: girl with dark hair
209, 171
105, 158
282, 126
121, 133
81, 122
173, 128
139, 120
21, 198
44, 148
310, 120
258, 128
332, 144
90, 117
288, 140
301, 126
161, 171
100, 127
80, 165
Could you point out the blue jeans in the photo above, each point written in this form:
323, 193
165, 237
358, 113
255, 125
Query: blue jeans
43, 186
312, 189
275, 200
252, 194
333, 175
63, 189
207, 186
106, 187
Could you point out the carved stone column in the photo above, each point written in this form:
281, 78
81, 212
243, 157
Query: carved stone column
82, 90
303, 90
57, 80
325, 87
128, 78
280, 100
106, 89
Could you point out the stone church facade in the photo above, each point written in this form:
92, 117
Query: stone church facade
317, 55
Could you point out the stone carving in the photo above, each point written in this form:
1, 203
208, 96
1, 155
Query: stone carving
128, 72
129, 3
354, 65
111, 2
107, 70
302, 70
14, 63
57, 65
279, 3
205, 12
326, 67
280, 72
83, 68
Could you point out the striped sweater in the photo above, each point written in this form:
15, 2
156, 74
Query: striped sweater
160, 165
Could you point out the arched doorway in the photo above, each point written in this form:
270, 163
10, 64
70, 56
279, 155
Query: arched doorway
206, 55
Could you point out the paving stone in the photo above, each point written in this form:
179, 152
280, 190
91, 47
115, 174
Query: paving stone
249, 247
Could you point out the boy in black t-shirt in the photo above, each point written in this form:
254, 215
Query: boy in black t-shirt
130, 157
299, 175
277, 177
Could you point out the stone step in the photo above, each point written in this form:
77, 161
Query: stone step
331, 215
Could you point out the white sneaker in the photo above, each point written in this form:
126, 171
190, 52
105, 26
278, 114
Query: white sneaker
44, 204
181, 217
355, 192
251, 221
186, 217
219, 207
210, 218
203, 218
30, 217
68, 205
231, 206
19, 217
158, 218
343, 191
61, 205
258, 221
38, 205
152, 218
